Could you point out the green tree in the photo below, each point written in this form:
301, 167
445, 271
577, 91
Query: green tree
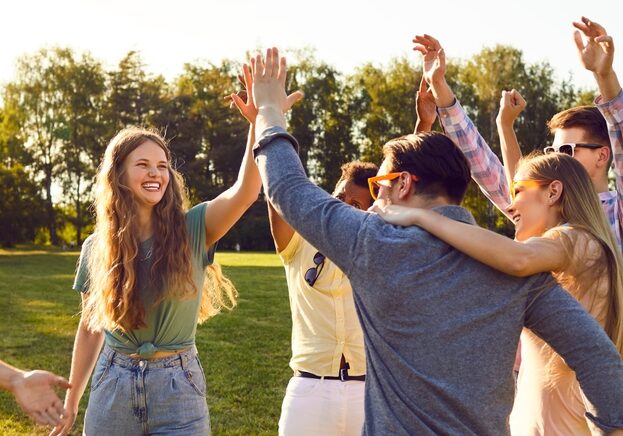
84, 135
133, 94
385, 97
38, 95
12, 149
206, 136
322, 122
57, 101
488, 73
21, 204
207, 139
478, 84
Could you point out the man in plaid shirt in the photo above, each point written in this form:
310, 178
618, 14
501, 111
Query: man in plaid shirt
579, 131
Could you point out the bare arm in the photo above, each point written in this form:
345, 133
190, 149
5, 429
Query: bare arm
281, 230
327, 223
511, 105
87, 346
511, 257
34, 392
226, 209
597, 56
425, 108
434, 69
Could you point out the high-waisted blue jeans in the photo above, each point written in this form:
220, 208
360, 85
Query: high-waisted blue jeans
164, 396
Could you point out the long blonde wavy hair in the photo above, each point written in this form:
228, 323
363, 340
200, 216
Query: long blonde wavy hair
113, 298
580, 207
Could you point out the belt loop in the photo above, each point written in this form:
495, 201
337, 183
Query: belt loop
183, 362
111, 356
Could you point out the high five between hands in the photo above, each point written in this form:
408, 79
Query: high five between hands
595, 49
266, 80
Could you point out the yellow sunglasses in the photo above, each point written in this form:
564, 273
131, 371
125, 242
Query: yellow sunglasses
374, 185
526, 184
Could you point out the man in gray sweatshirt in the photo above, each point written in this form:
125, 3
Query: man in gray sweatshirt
440, 328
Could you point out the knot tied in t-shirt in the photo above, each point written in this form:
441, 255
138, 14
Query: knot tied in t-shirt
146, 350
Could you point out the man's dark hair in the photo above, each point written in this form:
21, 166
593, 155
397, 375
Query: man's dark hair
440, 166
587, 118
358, 172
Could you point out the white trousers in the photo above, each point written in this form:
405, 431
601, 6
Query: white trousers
322, 407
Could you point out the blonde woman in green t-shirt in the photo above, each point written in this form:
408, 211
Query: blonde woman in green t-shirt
141, 275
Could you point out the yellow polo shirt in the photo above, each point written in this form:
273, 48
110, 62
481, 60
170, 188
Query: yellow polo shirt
324, 321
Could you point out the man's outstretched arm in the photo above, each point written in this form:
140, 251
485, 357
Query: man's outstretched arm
597, 56
327, 223
487, 170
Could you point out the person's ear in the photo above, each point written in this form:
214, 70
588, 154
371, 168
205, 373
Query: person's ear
407, 186
554, 192
603, 156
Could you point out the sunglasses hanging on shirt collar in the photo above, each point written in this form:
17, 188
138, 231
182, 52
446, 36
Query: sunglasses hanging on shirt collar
311, 275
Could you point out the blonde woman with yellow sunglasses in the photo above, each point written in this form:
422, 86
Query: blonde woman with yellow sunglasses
560, 227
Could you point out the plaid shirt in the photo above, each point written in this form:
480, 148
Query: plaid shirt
612, 201
488, 172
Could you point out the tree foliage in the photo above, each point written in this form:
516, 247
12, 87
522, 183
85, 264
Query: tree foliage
62, 108
385, 104
21, 206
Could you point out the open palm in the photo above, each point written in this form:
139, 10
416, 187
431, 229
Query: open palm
433, 58
245, 102
597, 53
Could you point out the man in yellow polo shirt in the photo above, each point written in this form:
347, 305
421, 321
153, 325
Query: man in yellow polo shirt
326, 394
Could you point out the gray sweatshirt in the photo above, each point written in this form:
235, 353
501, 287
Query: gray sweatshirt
440, 328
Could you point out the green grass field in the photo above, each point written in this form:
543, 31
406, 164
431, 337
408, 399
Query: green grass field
244, 353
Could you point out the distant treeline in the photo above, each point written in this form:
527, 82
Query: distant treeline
63, 107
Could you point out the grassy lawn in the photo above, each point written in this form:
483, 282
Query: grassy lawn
244, 353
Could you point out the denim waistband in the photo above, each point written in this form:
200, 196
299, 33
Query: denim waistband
125, 361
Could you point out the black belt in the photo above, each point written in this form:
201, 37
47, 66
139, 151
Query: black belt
342, 377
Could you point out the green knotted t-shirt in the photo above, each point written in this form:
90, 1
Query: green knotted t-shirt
172, 323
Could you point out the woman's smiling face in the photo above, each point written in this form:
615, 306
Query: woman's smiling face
147, 173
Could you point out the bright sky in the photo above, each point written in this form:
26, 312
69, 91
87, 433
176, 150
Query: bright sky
345, 33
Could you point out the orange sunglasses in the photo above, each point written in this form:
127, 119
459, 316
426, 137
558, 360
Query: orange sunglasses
526, 184
374, 185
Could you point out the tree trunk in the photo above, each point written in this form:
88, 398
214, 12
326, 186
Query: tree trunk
50, 206
78, 215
